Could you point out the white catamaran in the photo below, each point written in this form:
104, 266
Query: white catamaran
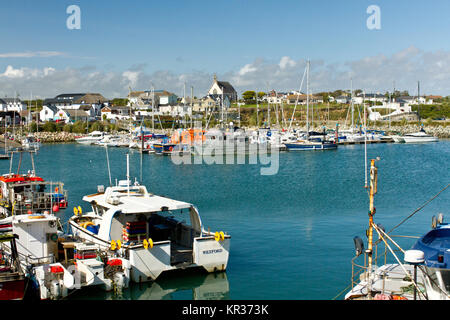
155, 233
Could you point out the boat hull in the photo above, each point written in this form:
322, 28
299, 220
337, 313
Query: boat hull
411, 139
12, 287
148, 263
310, 146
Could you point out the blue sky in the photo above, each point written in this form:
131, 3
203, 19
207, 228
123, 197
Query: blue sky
189, 39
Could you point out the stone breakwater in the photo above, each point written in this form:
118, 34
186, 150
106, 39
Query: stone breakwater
54, 137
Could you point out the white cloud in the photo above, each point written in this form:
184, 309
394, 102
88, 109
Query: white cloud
373, 74
29, 54
286, 62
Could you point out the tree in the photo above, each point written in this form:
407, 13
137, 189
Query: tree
248, 96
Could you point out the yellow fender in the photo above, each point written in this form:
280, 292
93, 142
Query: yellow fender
119, 244
145, 244
222, 235
150, 243
75, 211
113, 245
80, 211
217, 236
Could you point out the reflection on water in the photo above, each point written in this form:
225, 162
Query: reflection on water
211, 286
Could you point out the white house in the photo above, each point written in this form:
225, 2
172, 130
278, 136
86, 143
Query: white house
48, 113
75, 101
12, 104
223, 88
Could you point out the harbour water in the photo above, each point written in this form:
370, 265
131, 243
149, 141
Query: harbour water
292, 232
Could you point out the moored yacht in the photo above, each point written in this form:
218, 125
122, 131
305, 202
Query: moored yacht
91, 138
418, 137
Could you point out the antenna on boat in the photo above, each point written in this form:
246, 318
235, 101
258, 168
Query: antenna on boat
372, 210
128, 174
107, 162
365, 140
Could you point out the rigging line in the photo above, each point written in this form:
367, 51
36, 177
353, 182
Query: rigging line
420, 208
398, 260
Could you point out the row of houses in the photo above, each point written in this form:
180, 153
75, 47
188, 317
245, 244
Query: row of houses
70, 107
294, 97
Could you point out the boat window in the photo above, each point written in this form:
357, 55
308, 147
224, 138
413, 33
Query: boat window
446, 279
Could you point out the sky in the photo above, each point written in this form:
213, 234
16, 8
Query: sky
255, 45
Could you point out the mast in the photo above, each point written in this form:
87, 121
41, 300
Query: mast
351, 95
153, 110
268, 107
418, 98
307, 98
372, 192
257, 109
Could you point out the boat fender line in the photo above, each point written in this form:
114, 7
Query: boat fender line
86, 224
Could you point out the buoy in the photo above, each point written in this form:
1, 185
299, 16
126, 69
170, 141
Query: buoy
113, 245
56, 189
29, 212
75, 211
145, 244
222, 235
80, 211
216, 236
119, 244
55, 208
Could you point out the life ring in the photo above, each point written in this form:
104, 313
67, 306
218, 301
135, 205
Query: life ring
222, 235
150, 243
170, 148
217, 236
145, 244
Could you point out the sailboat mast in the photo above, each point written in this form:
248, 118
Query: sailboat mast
257, 109
418, 100
307, 99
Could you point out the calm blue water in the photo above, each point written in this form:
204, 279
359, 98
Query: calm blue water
292, 233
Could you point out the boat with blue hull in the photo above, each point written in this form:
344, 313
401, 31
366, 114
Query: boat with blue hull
305, 145
422, 274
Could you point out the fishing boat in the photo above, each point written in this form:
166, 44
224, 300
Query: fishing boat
29, 193
91, 138
12, 278
157, 234
422, 274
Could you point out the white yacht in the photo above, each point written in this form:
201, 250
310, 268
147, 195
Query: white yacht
91, 138
418, 137
155, 233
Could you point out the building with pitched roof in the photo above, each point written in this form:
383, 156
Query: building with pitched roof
223, 88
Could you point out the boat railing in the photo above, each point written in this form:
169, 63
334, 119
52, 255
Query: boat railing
40, 201
380, 256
